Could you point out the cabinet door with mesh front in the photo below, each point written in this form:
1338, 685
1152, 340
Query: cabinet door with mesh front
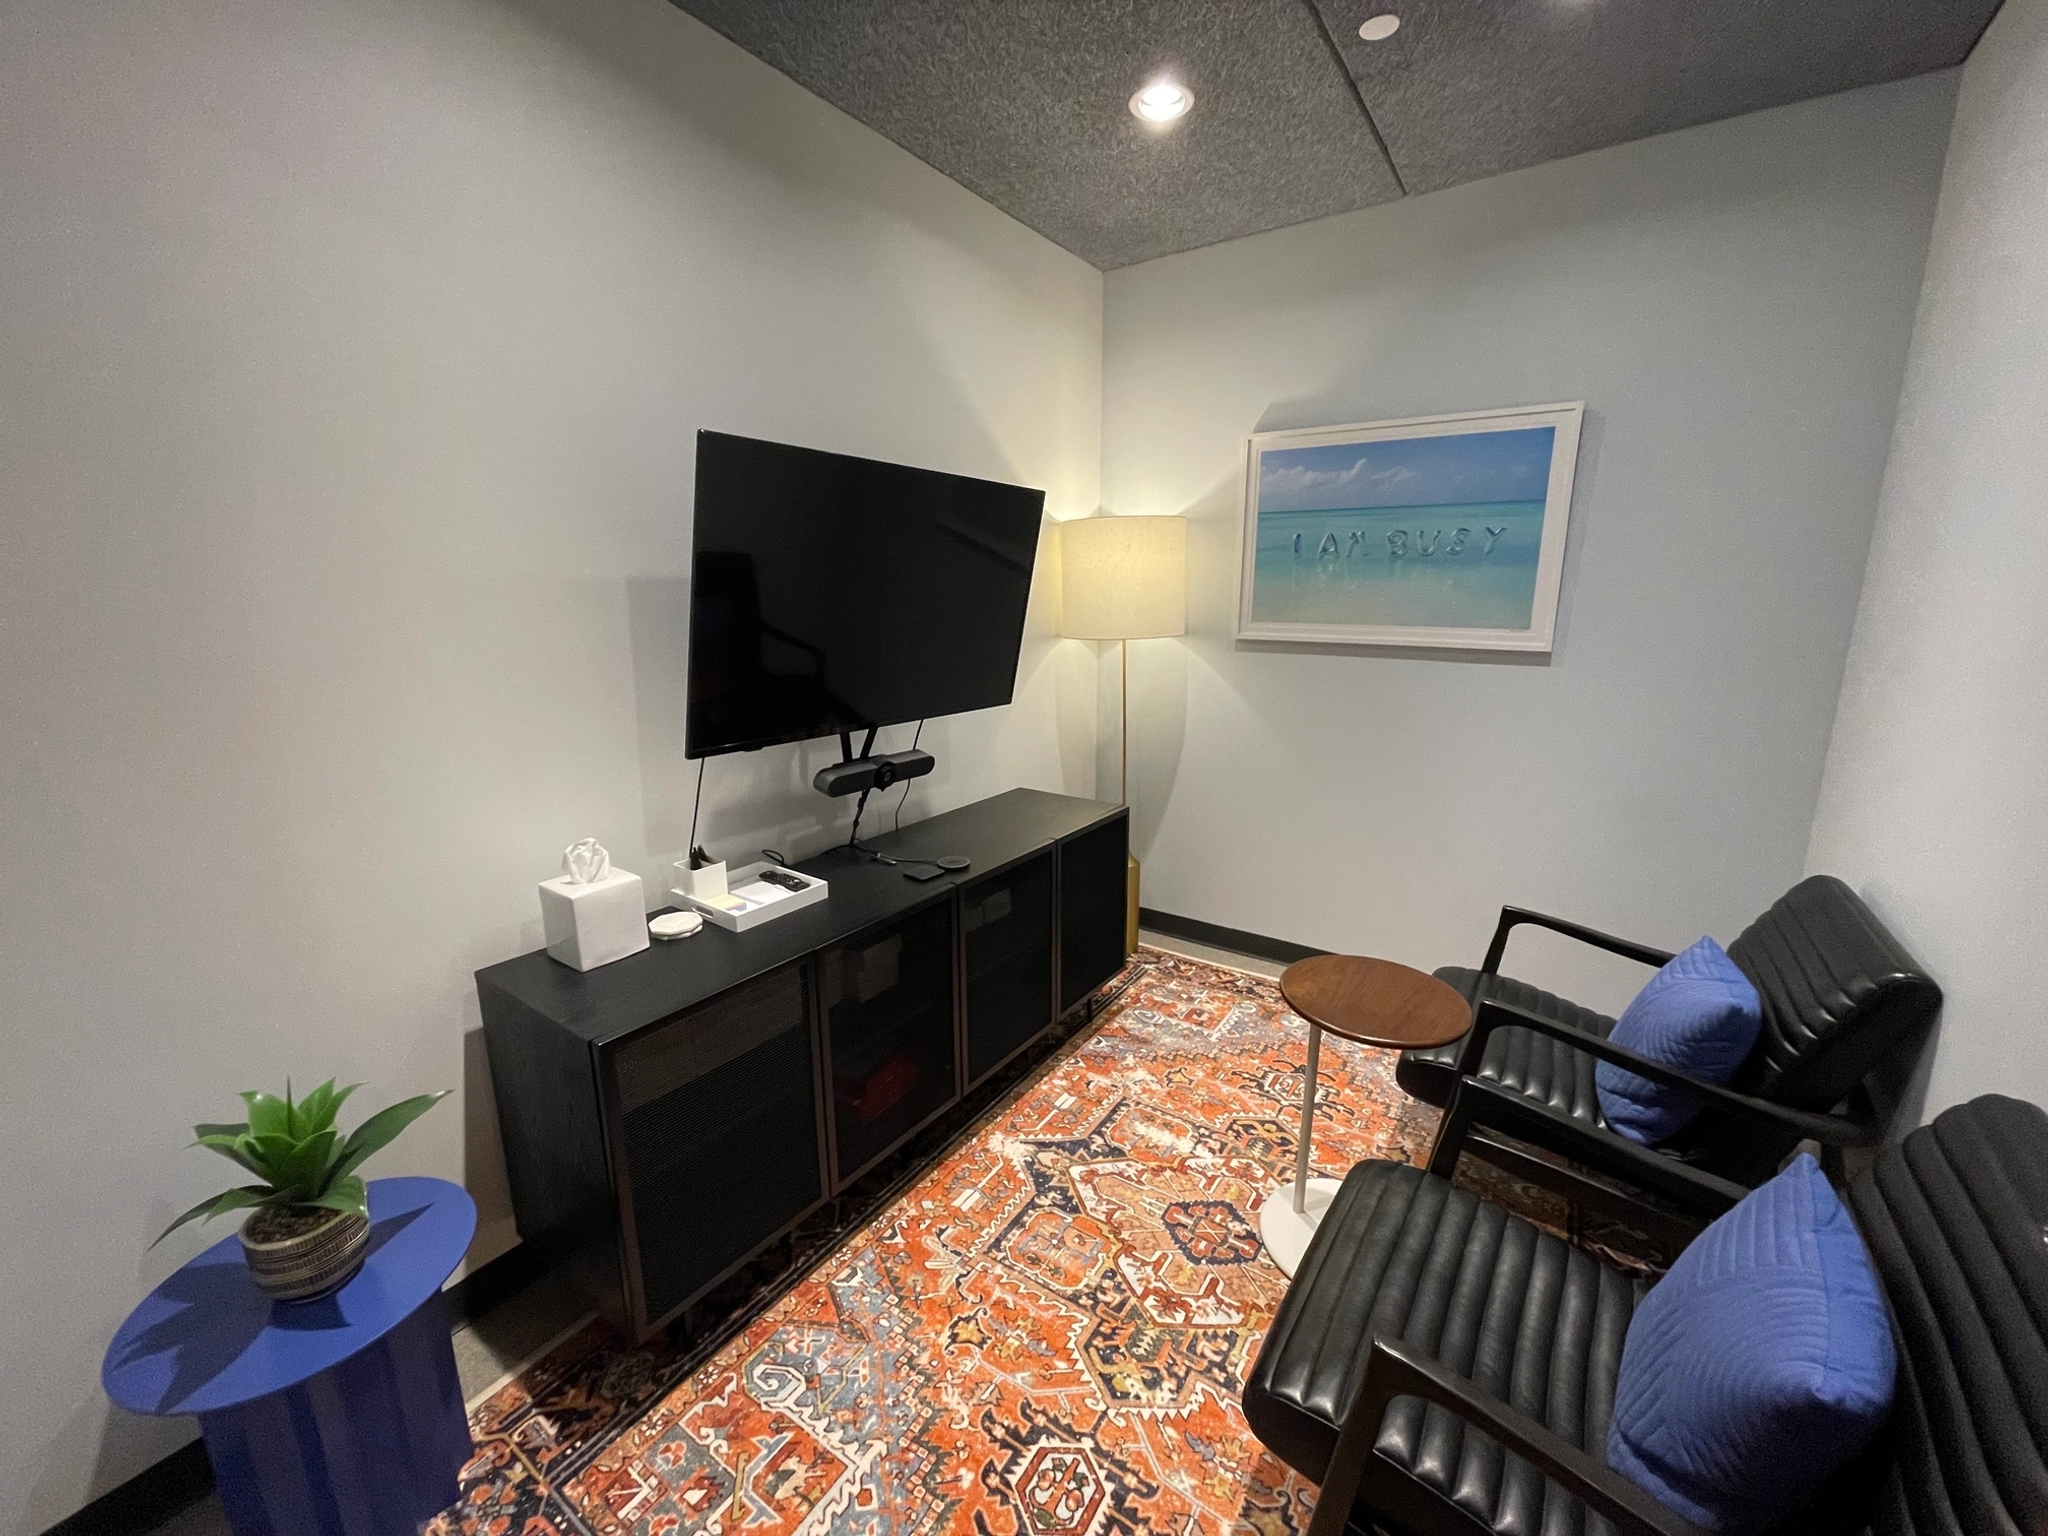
717, 1114
1092, 905
1006, 923
888, 1001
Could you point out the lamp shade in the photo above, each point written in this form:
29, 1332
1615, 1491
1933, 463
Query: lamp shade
1124, 578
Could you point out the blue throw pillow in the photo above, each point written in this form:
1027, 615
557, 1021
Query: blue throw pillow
1699, 1015
1759, 1365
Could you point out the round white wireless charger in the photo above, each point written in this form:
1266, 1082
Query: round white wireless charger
674, 925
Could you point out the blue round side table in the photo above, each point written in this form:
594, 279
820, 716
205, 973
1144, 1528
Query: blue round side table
335, 1417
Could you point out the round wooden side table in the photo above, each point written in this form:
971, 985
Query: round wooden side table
1374, 1002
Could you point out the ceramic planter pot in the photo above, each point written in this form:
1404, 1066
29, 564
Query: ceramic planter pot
298, 1252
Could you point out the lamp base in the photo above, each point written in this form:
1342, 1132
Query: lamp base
1285, 1230
1131, 907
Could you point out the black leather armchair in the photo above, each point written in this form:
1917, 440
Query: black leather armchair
1440, 1366
1841, 999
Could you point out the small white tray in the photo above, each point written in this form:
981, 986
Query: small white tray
764, 902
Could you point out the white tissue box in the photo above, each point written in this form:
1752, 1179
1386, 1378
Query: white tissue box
596, 923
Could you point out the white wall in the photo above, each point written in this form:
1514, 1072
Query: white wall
1733, 303
351, 353
1935, 802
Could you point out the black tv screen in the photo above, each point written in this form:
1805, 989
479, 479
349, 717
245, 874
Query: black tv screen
830, 593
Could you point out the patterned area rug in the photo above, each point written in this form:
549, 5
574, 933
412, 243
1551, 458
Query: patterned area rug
1046, 1336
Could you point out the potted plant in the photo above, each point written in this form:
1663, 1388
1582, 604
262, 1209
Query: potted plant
310, 1225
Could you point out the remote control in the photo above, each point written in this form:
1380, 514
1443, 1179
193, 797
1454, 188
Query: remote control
785, 879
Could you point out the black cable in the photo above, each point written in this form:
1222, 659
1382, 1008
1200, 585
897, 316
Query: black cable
695, 806
853, 837
906, 783
882, 858
853, 841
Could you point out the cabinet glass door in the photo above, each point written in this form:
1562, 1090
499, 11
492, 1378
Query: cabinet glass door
889, 1013
1006, 921
1092, 908
719, 1114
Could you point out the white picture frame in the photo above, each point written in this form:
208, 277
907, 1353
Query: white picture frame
1434, 575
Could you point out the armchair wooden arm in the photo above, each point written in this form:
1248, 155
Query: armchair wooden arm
1512, 918
1829, 1130
1394, 1370
1478, 1106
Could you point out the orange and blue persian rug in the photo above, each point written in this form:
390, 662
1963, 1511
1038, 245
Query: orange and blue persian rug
1046, 1335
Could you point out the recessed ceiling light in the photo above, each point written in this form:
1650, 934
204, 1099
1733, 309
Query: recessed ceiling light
1162, 102
1377, 29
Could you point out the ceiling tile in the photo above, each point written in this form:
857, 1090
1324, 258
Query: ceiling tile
1471, 88
1025, 103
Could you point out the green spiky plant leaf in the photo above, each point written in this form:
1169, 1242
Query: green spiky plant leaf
298, 1153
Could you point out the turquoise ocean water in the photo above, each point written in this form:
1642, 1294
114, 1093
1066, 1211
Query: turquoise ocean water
1471, 566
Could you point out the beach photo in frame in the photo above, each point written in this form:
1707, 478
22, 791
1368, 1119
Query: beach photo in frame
1434, 532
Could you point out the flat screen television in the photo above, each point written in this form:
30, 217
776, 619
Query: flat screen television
830, 593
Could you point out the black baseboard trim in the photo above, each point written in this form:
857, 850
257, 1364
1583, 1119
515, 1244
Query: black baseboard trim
148, 1499
489, 1286
169, 1487
1283, 951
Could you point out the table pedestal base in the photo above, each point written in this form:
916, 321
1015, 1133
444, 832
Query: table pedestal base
369, 1447
1286, 1230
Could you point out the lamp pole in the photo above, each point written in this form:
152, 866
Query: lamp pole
1124, 577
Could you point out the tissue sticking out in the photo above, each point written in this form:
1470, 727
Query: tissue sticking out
585, 861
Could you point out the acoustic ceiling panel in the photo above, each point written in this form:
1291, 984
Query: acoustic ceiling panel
1471, 88
1295, 117
1025, 103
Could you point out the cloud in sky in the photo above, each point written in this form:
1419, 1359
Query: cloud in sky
1409, 472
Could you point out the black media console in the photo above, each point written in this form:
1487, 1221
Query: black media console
669, 1116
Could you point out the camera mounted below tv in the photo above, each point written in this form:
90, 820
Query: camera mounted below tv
853, 775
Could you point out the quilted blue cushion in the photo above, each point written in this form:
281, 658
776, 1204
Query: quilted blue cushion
1700, 1015
1759, 1364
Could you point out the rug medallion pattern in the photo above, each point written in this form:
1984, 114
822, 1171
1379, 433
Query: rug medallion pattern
1046, 1336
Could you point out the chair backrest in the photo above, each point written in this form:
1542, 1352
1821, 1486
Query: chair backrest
1955, 1218
1840, 995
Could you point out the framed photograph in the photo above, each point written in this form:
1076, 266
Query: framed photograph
1441, 531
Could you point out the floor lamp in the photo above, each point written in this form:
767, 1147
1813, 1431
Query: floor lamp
1124, 579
